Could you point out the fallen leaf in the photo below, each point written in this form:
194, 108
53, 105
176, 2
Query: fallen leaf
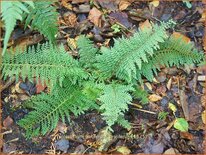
80, 149
104, 139
66, 4
181, 124
70, 19
120, 17
203, 117
23, 97
18, 89
148, 85
111, 5
154, 98
155, 3
178, 35
61, 127
171, 151
169, 84
123, 150
186, 135
172, 107
123, 4
79, 1
184, 104
94, 16
145, 25
8, 122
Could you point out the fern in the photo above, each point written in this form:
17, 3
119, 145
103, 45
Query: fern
43, 18
46, 62
173, 52
50, 108
11, 11
121, 60
140, 94
87, 51
115, 100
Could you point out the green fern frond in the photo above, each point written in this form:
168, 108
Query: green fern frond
50, 108
114, 102
87, 51
43, 18
141, 94
173, 52
46, 62
128, 54
11, 11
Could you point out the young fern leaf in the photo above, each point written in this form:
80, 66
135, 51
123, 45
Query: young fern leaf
48, 63
11, 11
114, 102
43, 18
87, 51
126, 54
173, 52
49, 108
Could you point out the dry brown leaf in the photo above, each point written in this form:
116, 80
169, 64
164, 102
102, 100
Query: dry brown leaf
18, 89
145, 24
184, 104
123, 4
186, 135
7, 122
95, 16
171, 151
70, 19
169, 83
178, 35
61, 127
155, 3
66, 4
154, 98
148, 85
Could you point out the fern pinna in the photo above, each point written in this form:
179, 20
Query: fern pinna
104, 79
11, 11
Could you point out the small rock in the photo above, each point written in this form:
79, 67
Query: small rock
171, 151
62, 145
80, 149
164, 102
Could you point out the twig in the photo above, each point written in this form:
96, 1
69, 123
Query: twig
151, 112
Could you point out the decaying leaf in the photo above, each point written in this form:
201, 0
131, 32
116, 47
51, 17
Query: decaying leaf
155, 3
172, 107
154, 98
184, 104
171, 151
8, 122
104, 139
145, 25
169, 83
123, 150
95, 16
178, 35
203, 117
123, 4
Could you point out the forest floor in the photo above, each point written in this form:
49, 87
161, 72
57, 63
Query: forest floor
152, 131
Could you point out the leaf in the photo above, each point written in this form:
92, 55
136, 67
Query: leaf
154, 98
123, 150
8, 122
178, 35
181, 124
94, 16
123, 4
203, 117
172, 107
145, 25
155, 3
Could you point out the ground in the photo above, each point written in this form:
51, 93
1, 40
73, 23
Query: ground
183, 87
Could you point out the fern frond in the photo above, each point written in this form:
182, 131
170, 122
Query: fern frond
128, 54
173, 52
87, 51
43, 18
114, 102
11, 11
141, 94
46, 62
50, 108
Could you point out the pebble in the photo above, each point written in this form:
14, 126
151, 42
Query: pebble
201, 78
62, 145
164, 102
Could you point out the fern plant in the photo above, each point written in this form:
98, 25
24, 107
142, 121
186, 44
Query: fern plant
43, 18
11, 11
105, 79
39, 15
